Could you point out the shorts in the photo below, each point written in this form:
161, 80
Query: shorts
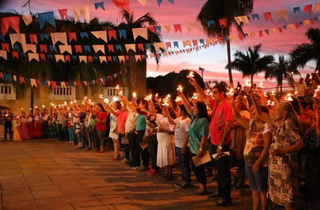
258, 181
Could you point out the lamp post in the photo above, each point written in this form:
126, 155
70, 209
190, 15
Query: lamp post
202, 70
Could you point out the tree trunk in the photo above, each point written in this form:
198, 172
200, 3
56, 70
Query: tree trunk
31, 98
229, 64
252, 79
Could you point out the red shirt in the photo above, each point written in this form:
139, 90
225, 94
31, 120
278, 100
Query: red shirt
99, 125
221, 114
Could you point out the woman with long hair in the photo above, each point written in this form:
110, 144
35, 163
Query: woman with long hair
101, 119
24, 126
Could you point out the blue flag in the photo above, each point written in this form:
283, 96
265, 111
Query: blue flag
46, 17
53, 48
123, 33
175, 44
296, 10
84, 34
255, 16
44, 36
100, 4
210, 22
118, 47
87, 48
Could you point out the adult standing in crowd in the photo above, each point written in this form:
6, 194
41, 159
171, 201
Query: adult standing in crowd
8, 117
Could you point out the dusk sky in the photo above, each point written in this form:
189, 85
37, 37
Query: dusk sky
213, 59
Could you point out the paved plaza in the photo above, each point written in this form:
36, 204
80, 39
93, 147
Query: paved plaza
49, 174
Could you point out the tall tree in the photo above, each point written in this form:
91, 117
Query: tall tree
280, 71
306, 52
251, 63
214, 10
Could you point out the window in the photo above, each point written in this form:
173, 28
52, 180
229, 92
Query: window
110, 92
7, 92
63, 93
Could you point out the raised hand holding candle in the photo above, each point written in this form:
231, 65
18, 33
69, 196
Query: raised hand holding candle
101, 96
180, 89
190, 75
134, 95
106, 100
261, 85
248, 84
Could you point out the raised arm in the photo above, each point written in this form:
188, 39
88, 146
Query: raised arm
201, 94
186, 103
262, 115
244, 122
127, 102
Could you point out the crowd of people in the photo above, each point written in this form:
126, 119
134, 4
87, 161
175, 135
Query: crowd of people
273, 142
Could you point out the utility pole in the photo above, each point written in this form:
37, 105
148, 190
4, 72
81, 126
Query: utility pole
202, 70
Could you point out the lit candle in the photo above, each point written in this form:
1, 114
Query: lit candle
317, 71
180, 88
134, 95
115, 99
30, 109
106, 100
165, 103
261, 84
292, 73
85, 98
272, 93
248, 84
36, 107
89, 101
190, 75
75, 101
21, 109
289, 97
168, 97
265, 94
65, 103
101, 96
120, 93
43, 106
178, 99
156, 95
273, 103
117, 87
195, 96
268, 104
71, 102
295, 92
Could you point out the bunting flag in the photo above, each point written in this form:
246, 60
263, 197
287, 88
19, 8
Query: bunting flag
141, 47
140, 32
308, 8
187, 43
112, 34
223, 22
83, 58
33, 38
81, 11
65, 48
97, 48
159, 45
167, 28
268, 16
121, 59
124, 4
100, 35
99, 5
296, 10
5, 46
46, 17
72, 36
110, 47
59, 36
42, 57
143, 2
281, 14
177, 27
210, 22
21, 38
59, 58
242, 19
34, 56
3, 54
123, 33
130, 47
84, 34
27, 19
29, 47
44, 36
33, 82
43, 48
103, 59
255, 16
63, 14
316, 8
12, 22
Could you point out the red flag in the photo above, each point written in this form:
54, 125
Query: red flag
110, 48
223, 22
260, 33
22, 80
297, 25
43, 48
1, 75
15, 54
63, 13
112, 34
110, 58
195, 43
38, 82
308, 8
268, 16
241, 37
78, 83
168, 45
177, 27
126, 57
67, 58
143, 57
42, 56
78, 48
311, 21
280, 29
12, 22
124, 4
90, 59
141, 47
53, 84
152, 29
72, 36
33, 38
5, 46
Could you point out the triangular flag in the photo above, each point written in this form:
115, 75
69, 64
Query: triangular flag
168, 45
187, 43
33, 82
118, 47
159, 2
210, 22
12, 22
130, 47
100, 35
177, 27
112, 34
59, 57
42, 57
78, 48
72, 36
103, 59
143, 2
15, 54
159, 45
29, 47
84, 34
53, 48
140, 32
46, 17
189, 27
82, 58
22, 80
124, 4
97, 48
100, 4
81, 11
59, 36
21, 38
123, 33
151, 29
138, 57
90, 59
34, 56
33, 38
255, 16
3, 54
195, 43
27, 19
308, 8
296, 9
176, 44
242, 19
44, 36
141, 46
110, 47
121, 58
223, 22
316, 8
63, 84
15, 78
63, 14
65, 48
43, 48
87, 48
167, 28
268, 16
5, 46
67, 58
281, 14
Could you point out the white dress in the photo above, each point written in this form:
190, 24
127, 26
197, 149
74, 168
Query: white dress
114, 126
166, 148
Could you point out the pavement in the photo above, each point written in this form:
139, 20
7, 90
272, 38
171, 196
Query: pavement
50, 174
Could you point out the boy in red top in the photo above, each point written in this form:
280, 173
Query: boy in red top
101, 126
220, 132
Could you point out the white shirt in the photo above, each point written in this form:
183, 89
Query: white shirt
181, 132
301, 87
131, 121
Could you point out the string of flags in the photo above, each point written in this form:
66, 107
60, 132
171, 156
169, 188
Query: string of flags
83, 11
35, 82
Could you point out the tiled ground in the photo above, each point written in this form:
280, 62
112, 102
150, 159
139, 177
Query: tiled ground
49, 174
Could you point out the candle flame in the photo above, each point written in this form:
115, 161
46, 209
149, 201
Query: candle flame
191, 74
248, 84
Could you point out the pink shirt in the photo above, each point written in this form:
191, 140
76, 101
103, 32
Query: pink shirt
221, 114
122, 118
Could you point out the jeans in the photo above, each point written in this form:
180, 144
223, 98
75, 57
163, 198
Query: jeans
153, 150
101, 135
80, 139
70, 131
223, 169
184, 164
258, 181
94, 138
7, 126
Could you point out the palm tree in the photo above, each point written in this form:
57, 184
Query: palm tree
306, 52
280, 71
229, 9
251, 63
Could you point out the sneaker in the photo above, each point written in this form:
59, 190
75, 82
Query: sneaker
134, 167
148, 171
152, 173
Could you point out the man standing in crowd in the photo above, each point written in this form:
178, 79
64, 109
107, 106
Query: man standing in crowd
8, 117
301, 88
220, 132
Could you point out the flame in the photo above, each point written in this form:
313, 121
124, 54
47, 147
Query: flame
261, 84
106, 100
134, 95
191, 74
248, 84
180, 88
